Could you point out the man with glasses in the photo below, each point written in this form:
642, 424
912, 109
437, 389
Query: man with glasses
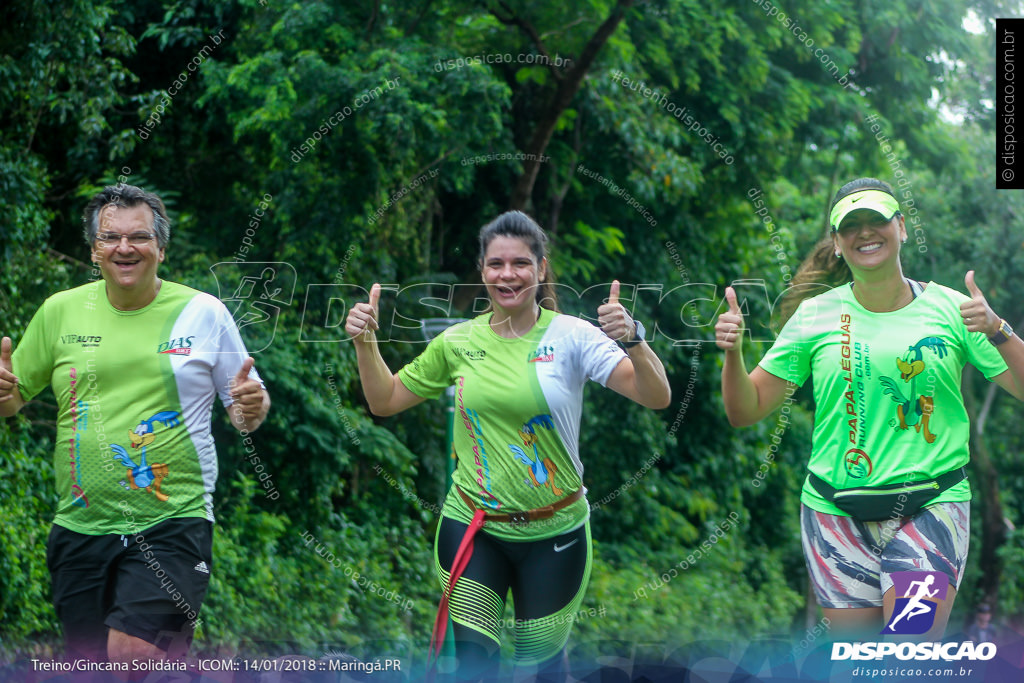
135, 363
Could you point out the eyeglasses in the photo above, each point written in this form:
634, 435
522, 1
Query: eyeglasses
113, 239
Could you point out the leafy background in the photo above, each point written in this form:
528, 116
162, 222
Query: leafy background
78, 81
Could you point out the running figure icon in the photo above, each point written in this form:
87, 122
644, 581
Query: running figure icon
915, 606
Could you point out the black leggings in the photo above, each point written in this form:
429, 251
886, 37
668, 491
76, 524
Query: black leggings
548, 579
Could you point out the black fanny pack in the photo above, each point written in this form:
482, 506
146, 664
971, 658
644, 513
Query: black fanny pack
877, 503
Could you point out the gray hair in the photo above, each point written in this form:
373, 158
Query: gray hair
128, 196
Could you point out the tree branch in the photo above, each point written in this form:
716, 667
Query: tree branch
990, 396
559, 198
514, 19
993, 525
373, 17
986, 406
564, 94
419, 18
70, 259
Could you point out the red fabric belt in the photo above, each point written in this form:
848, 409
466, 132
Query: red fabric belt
526, 516
465, 552
459, 564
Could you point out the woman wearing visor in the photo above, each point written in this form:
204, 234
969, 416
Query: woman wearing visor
885, 507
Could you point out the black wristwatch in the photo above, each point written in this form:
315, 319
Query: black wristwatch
638, 335
1002, 334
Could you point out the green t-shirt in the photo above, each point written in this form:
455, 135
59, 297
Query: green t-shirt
886, 387
517, 414
135, 391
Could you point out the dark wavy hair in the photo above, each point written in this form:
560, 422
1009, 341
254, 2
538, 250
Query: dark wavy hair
518, 225
822, 270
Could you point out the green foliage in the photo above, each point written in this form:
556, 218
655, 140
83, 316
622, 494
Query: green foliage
586, 249
356, 589
25, 607
1011, 589
407, 153
641, 599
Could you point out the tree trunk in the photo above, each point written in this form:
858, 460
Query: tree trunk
986, 484
568, 85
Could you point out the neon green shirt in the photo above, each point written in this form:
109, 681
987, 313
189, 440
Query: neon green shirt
135, 391
886, 387
517, 414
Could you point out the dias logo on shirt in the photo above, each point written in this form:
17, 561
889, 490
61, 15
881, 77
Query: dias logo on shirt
182, 346
544, 354
917, 601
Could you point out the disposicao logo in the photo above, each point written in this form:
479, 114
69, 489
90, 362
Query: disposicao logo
918, 597
920, 652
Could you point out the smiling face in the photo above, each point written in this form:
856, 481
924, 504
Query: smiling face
128, 269
868, 241
511, 274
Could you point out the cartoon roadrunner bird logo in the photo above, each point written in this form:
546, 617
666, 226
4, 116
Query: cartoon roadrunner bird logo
916, 409
143, 475
542, 472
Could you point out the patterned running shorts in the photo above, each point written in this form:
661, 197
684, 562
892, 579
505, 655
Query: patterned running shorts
850, 561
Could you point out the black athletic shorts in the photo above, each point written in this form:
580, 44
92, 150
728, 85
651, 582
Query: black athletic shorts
149, 585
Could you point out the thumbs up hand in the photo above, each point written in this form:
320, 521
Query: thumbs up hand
613, 318
729, 328
362, 318
8, 382
977, 315
247, 394
243, 372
